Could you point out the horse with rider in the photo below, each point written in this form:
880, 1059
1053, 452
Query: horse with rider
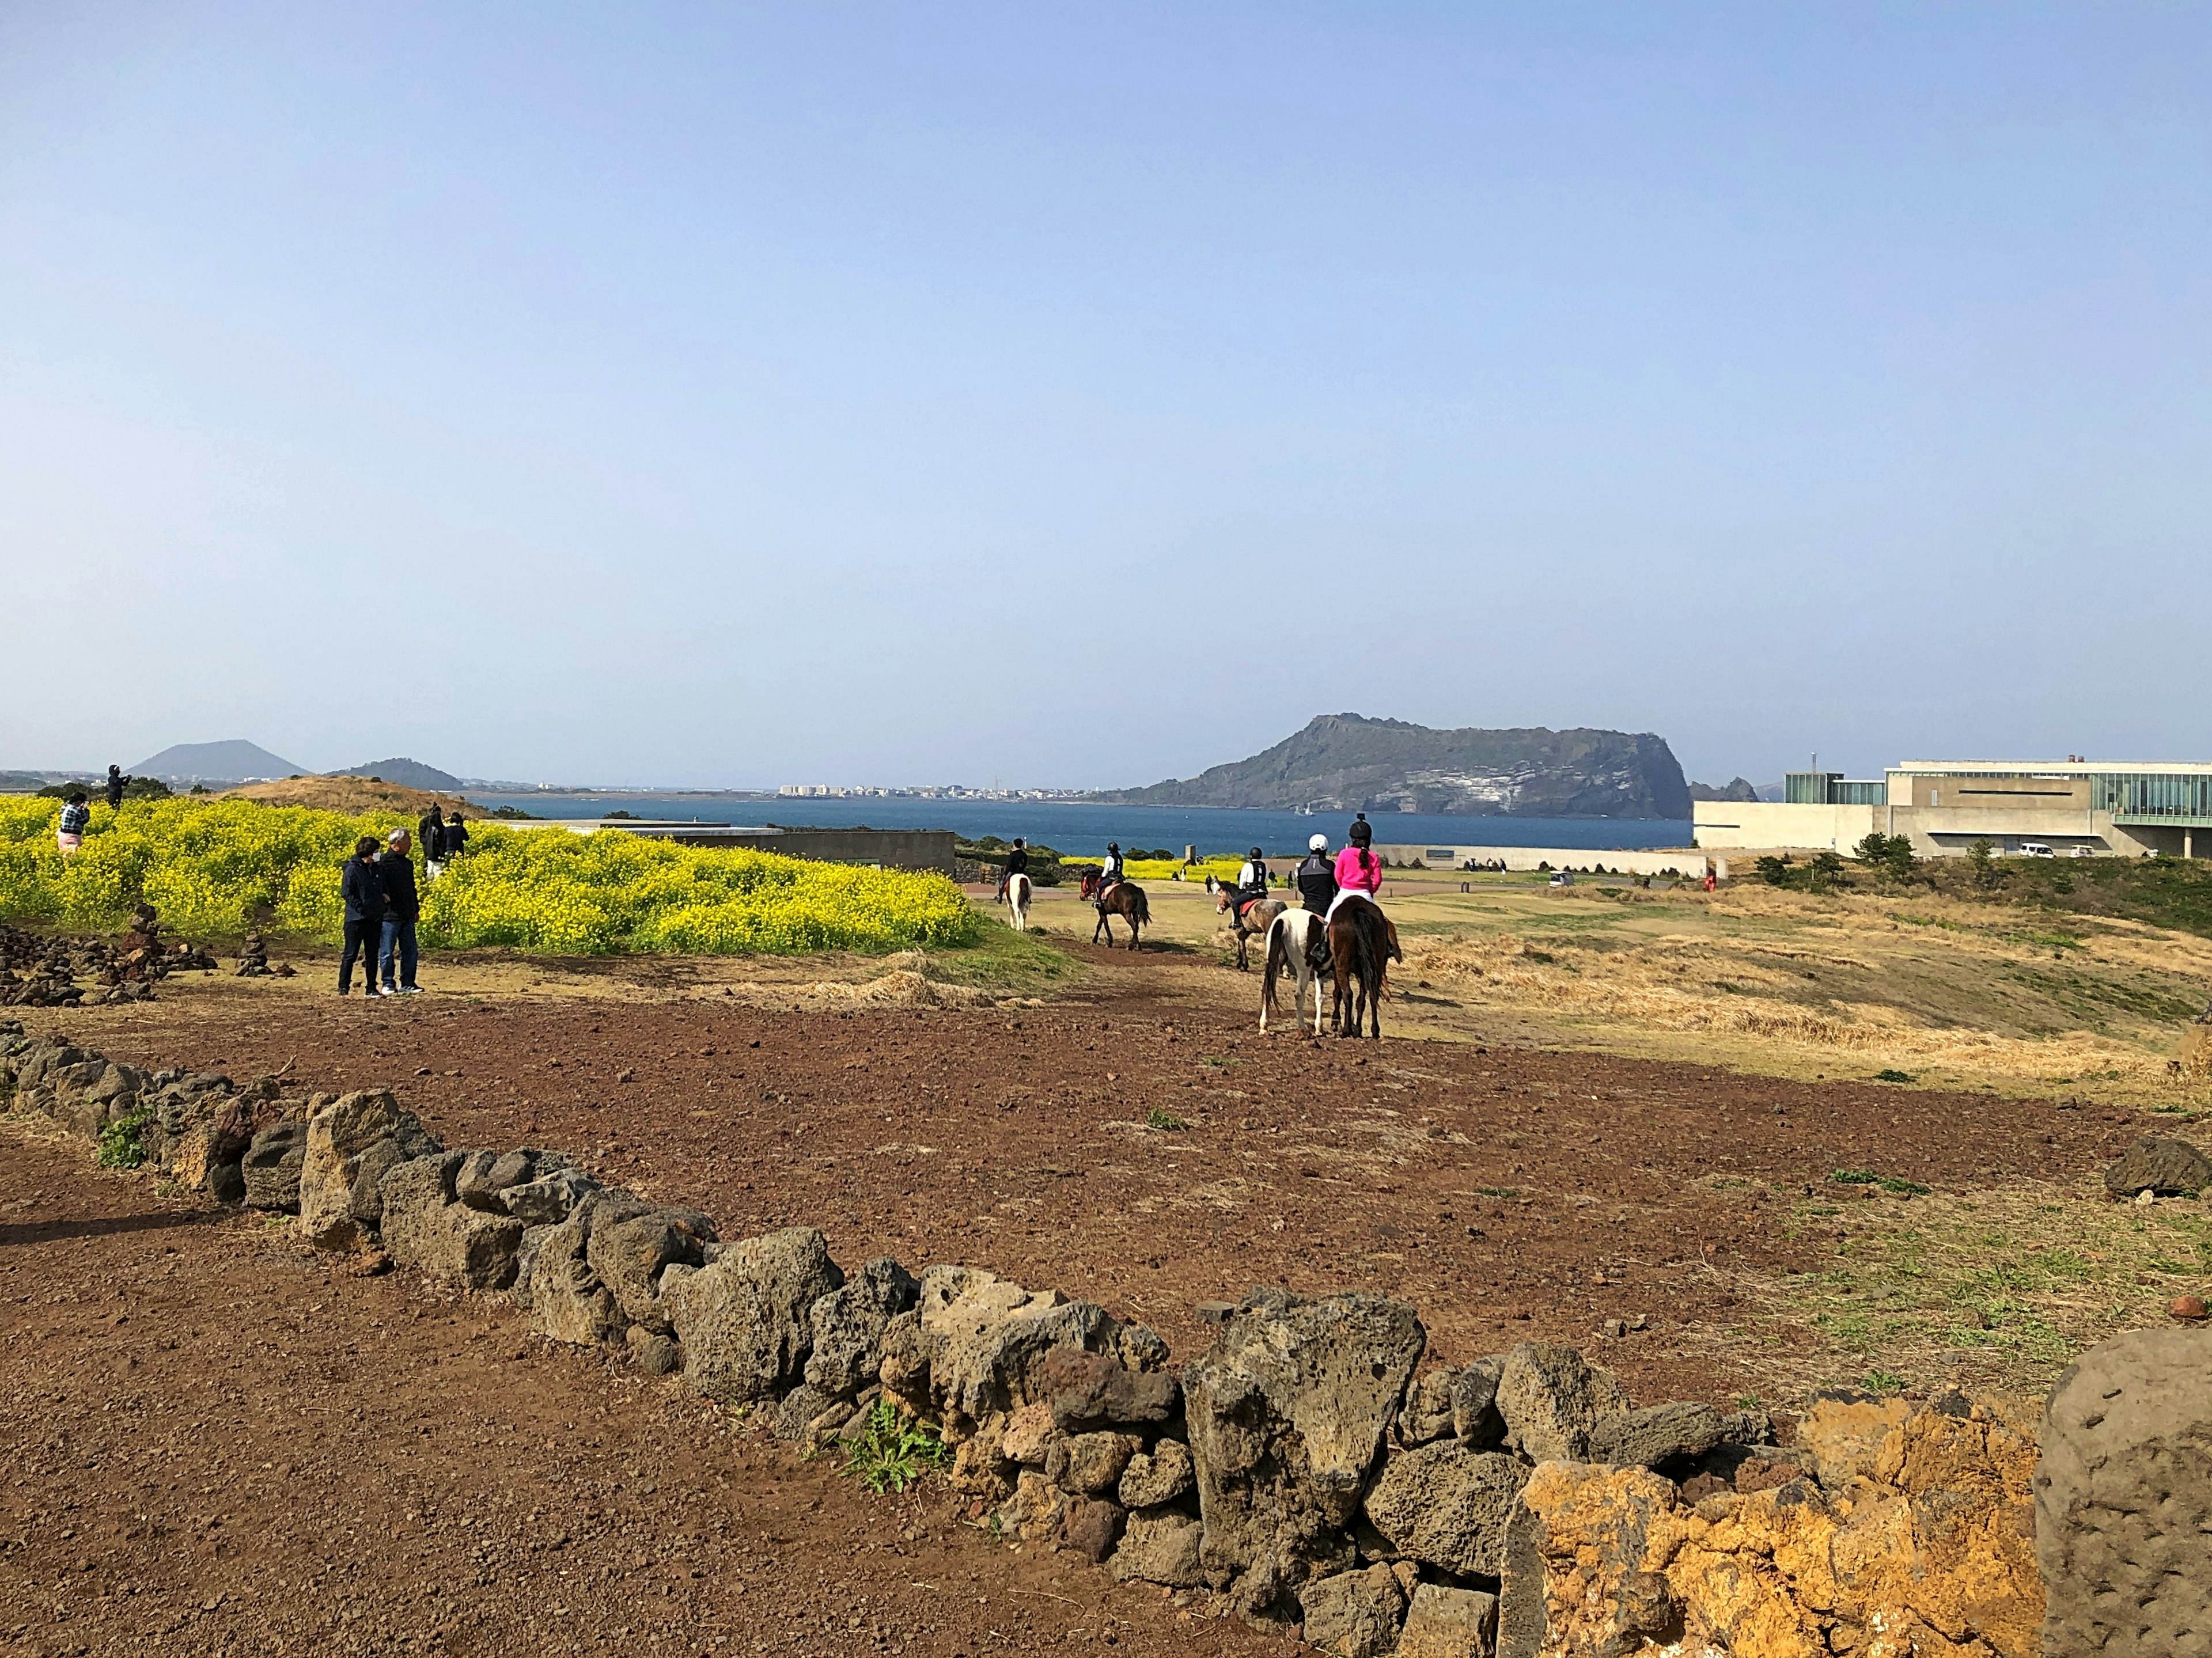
1342, 931
1112, 893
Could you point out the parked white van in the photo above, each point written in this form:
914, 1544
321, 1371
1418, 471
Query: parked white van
2035, 849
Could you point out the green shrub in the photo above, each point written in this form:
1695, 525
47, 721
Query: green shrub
894, 1450
119, 1143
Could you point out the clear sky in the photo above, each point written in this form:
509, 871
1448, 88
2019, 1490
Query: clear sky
1083, 395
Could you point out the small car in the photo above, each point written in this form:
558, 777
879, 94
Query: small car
2035, 849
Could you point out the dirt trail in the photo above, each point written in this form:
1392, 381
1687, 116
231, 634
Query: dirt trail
223, 1445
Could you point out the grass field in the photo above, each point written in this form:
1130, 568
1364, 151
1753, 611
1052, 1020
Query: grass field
1996, 1288
1917, 987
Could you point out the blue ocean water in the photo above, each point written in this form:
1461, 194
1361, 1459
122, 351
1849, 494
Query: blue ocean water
1085, 829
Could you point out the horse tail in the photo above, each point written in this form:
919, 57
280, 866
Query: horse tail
1377, 940
1138, 908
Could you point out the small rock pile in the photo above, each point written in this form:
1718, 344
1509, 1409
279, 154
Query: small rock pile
49, 979
124, 971
253, 957
1305, 1468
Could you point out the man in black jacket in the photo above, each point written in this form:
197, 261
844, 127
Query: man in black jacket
401, 909
363, 888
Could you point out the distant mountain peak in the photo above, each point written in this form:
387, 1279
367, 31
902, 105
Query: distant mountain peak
234, 760
1354, 761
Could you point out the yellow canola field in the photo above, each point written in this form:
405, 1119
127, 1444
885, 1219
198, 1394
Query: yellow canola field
209, 866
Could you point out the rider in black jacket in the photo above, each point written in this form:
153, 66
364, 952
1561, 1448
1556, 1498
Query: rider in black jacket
1316, 876
1017, 862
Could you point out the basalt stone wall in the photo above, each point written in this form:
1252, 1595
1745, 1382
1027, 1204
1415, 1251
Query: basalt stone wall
1307, 1467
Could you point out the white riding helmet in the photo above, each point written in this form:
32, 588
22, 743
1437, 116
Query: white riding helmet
1319, 843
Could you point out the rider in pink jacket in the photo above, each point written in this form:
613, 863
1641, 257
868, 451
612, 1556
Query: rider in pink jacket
1358, 870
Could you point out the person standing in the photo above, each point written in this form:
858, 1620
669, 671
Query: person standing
68, 832
433, 828
1316, 876
363, 887
117, 782
401, 909
456, 838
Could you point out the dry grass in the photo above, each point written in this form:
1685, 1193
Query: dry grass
1945, 993
1994, 1290
349, 794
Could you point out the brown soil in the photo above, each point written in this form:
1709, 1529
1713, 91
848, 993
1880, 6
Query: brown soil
220, 1443
227, 1445
1509, 1194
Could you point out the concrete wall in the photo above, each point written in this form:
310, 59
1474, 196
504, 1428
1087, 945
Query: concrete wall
1679, 860
1743, 824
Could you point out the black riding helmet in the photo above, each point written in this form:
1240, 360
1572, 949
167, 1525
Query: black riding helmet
1255, 854
1113, 846
1362, 833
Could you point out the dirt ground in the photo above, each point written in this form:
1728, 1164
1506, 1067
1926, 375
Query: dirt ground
223, 1444
232, 1446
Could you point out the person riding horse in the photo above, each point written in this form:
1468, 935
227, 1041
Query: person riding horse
1110, 871
1251, 882
1358, 871
1017, 862
1316, 876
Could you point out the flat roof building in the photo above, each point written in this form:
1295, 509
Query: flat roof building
2108, 808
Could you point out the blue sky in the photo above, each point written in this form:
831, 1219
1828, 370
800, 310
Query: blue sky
1083, 396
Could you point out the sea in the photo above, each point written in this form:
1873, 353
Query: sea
1081, 828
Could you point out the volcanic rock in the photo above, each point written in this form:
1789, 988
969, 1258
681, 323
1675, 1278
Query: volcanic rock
1288, 1410
1354, 1614
846, 1326
2169, 1168
1550, 1398
2124, 1497
742, 1318
1447, 1506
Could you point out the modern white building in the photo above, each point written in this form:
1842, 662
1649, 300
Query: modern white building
2112, 808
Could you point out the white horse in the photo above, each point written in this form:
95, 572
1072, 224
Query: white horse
1291, 938
1018, 900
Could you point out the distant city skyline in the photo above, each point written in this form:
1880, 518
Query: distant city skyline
673, 397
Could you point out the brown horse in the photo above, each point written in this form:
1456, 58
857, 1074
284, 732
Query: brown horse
1125, 899
1362, 943
1249, 922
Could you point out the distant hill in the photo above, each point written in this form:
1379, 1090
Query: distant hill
1735, 789
409, 774
1347, 763
214, 762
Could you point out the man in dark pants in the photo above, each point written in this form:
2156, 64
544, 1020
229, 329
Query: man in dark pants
117, 782
363, 888
401, 908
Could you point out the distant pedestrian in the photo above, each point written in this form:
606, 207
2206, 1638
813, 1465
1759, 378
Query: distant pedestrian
117, 782
433, 829
401, 909
362, 886
69, 834
457, 836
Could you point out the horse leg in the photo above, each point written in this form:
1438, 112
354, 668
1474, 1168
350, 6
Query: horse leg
1107, 925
